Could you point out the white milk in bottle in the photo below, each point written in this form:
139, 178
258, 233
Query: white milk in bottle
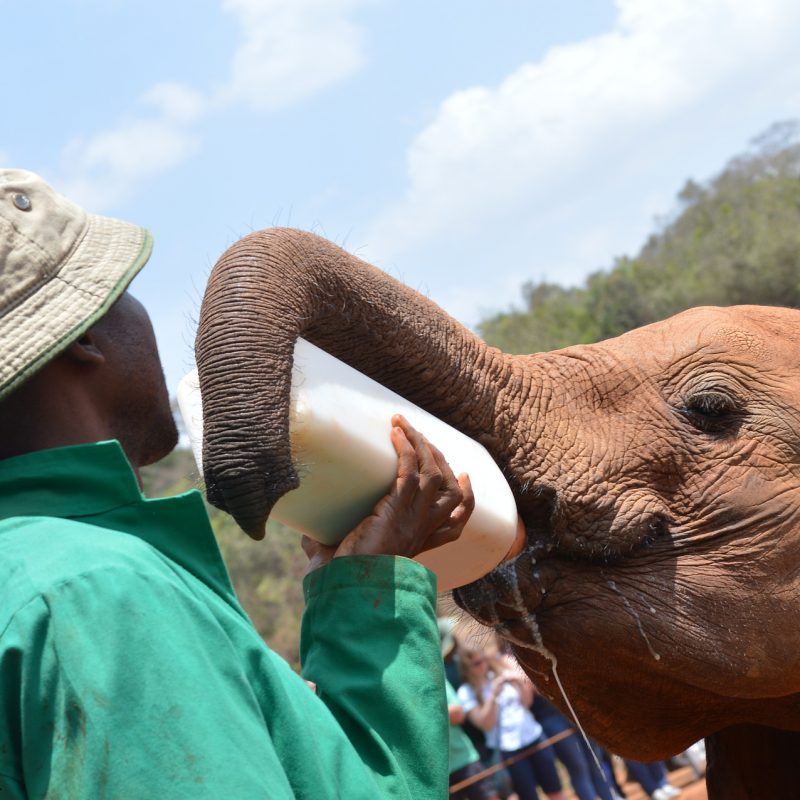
339, 425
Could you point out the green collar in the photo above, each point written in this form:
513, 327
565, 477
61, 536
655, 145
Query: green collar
95, 483
83, 480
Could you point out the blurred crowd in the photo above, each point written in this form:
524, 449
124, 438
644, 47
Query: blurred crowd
497, 716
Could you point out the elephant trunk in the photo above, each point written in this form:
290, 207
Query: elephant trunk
275, 285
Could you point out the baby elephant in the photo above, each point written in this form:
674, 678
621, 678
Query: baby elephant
661, 582
658, 475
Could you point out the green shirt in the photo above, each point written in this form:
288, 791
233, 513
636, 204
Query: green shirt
129, 670
462, 751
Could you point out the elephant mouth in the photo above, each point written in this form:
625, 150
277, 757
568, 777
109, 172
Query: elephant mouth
507, 598
511, 592
517, 587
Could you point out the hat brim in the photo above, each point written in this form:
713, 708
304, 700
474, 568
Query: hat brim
98, 270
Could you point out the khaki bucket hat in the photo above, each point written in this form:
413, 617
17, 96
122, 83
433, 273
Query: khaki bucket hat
61, 269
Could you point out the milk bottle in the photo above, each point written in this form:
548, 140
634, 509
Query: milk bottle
339, 428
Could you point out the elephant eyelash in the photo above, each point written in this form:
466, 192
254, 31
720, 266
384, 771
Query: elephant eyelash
713, 403
713, 411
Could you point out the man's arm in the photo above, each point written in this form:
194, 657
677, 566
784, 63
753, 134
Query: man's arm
371, 645
123, 685
370, 640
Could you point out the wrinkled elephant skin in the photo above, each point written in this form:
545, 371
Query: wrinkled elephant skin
662, 575
658, 475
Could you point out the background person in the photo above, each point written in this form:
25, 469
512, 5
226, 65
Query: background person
463, 757
449, 646
496, 700
652, 777
586, 780
127, 666
500, 780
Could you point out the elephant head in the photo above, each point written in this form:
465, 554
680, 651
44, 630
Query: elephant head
658, 475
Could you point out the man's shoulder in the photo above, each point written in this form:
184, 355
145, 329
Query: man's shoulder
42, 553
45, 538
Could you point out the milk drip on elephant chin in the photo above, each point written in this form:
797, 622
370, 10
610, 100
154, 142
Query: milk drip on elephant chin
340, 423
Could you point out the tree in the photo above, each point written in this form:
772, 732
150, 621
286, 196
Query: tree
734, 239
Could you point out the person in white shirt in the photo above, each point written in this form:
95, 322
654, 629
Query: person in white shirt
496, 699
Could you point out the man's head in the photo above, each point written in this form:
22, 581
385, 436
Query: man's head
79, 360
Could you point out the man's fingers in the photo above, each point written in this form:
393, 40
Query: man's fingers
427, 506
310, 546
407, 481
450, 493
442, 536
318, 554
449, 483
429, 473
456, 505
449, 531
454, 524
443, 493
467, 495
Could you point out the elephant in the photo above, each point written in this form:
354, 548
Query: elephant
657, 474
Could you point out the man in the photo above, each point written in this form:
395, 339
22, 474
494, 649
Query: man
127, 667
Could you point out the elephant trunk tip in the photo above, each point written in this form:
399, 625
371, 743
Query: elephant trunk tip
255, 528
246, 497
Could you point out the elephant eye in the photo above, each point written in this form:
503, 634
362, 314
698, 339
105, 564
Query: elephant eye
712, 411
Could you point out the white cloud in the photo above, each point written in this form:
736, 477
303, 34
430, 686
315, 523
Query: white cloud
176, 102
102, 170
580, 114
290, 49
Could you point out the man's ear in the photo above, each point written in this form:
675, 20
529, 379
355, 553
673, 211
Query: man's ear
86, 349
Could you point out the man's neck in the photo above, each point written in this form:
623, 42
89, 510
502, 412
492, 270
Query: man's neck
40, 417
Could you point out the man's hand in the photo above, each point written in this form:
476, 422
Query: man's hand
425, 508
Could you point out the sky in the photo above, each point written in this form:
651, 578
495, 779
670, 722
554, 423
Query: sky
464, 146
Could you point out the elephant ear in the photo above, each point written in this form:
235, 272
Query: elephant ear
276, 285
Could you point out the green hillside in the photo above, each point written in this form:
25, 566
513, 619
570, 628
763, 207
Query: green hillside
734, 239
